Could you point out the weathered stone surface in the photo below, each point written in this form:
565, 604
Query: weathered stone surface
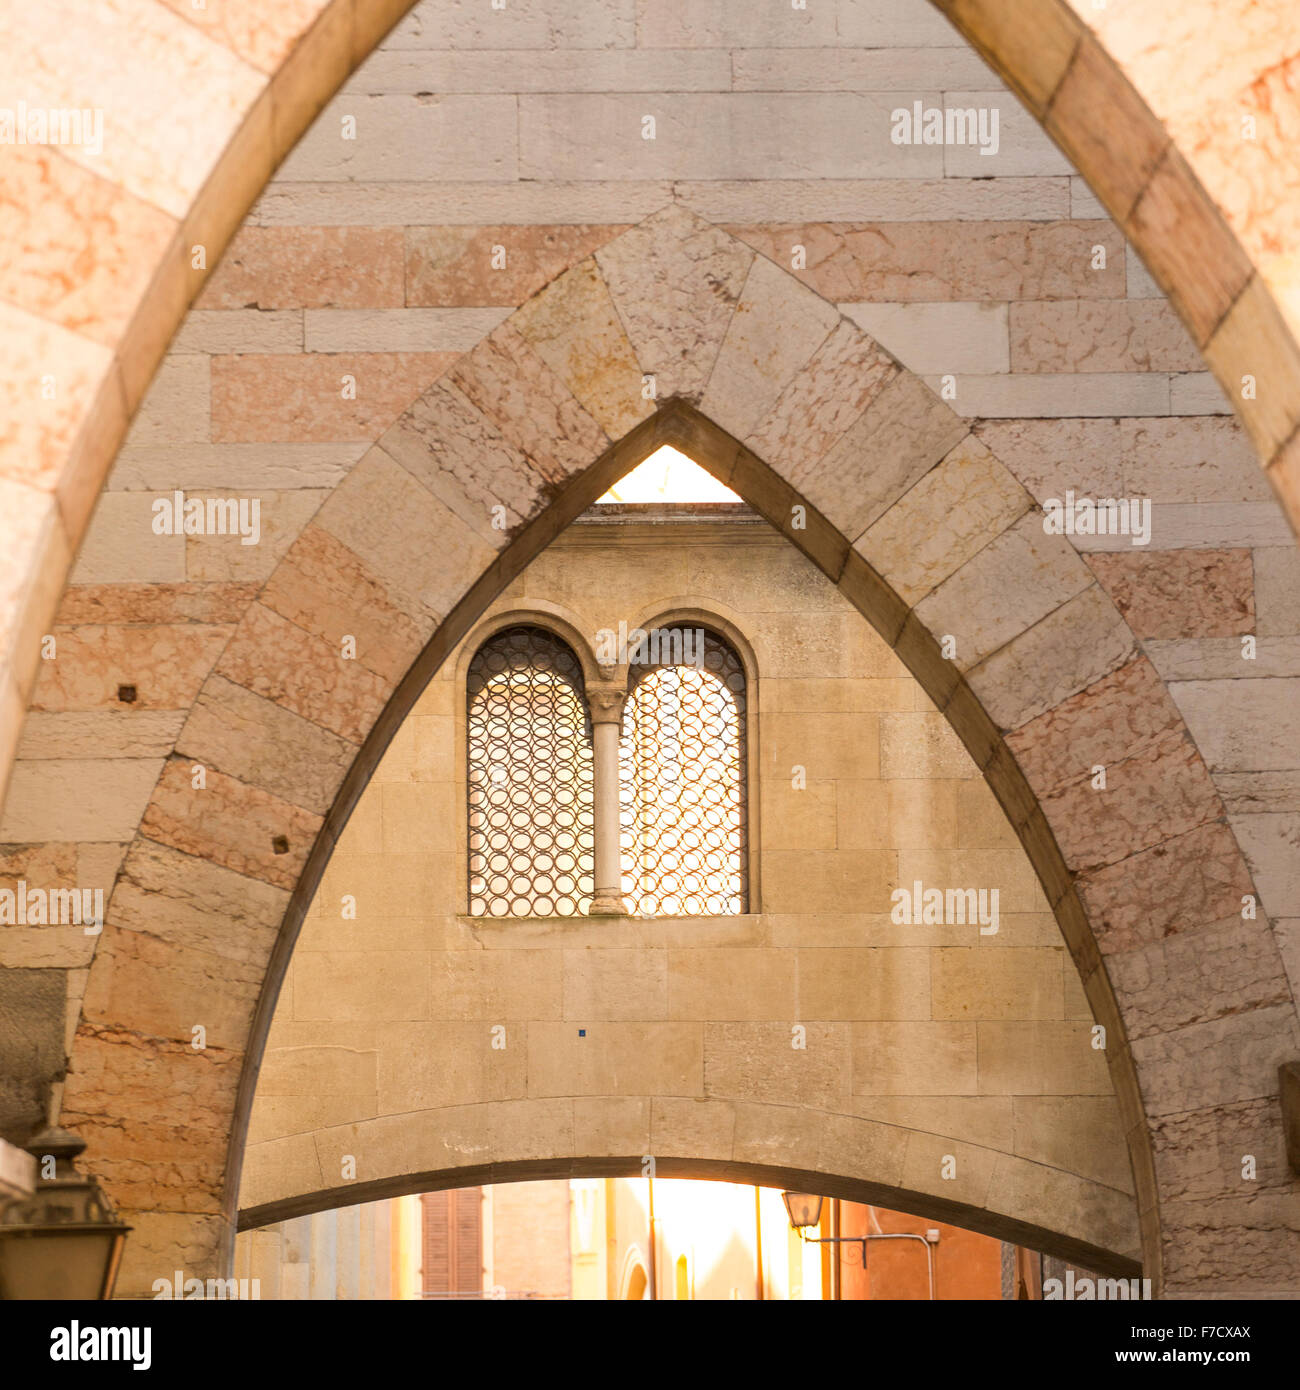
914, 1059
1175, 460
319, 683
230, 823
1038, 1192
317, 396
816, 881
691, 1128
1016, 580
1180, 593
120, 733
1198, 975
112, 235
237, 732
1109, 720
280, 518
77, 799
291, 1071
1017, 983
325, 589
1072, 648
848, 984
244, 467
1160, 791
1063, 1130
840, 380
164, 992
1061, 395
1210, 276
154, 603
1051, 457
241, 330
451, 266
574, 327
165, 664
453, 450
930, 1156
626, 1059
1199, 1154
1232, 1059
951, 514
708, 135
905, 262
1242, 725
1269, 844
183, 900
397, 330
755, 1062
530, 406
730, 984
675, 280
1045, 1058
122, 548
1178, 884
776, 328
938, 338
152, 1113
31, 1042
1128, 335
1239, 1247
427, 560
921, 745
503, 984
615, 984
905, 431
308, 268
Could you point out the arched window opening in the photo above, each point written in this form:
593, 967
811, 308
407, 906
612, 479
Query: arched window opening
530, 778
682, 781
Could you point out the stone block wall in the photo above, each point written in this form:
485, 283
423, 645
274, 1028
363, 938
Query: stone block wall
369, 266
948, 1041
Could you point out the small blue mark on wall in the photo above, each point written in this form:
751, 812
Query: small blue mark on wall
582, 1032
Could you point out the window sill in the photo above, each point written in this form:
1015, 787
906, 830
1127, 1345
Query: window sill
738, 930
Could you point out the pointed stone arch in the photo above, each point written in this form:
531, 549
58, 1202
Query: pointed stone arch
881, 486
1213, 218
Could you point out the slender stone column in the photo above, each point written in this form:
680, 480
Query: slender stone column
606, 704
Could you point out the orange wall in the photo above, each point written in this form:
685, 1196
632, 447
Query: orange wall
966, 1265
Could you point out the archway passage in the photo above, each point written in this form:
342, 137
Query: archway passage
820, 1180
415, 1030
797, 410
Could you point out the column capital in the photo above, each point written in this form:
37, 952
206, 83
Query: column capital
606, 703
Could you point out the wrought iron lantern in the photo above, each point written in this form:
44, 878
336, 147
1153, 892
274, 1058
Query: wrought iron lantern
64, 1241
804, 1209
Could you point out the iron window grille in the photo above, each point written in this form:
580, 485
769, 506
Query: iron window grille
531, 830
682, 782
682, 787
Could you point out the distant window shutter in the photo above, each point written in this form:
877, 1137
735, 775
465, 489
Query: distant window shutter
453, 1241
436, 1249
467, 1253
